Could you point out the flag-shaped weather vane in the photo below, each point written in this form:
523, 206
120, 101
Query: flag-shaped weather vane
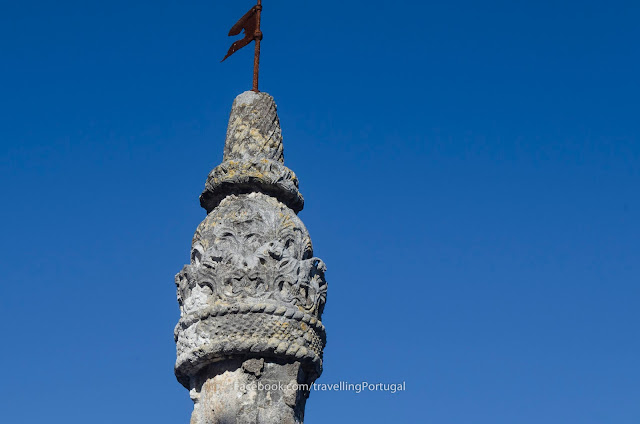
250, 23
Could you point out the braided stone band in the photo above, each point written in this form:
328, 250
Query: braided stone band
239, 177
260, 329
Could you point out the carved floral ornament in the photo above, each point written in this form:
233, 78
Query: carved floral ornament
251, 255
252, 248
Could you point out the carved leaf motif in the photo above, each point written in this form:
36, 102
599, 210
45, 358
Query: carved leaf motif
257, 250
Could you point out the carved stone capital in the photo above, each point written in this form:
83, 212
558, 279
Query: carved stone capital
252, 287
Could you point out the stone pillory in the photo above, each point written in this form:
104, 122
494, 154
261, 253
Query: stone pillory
252, 296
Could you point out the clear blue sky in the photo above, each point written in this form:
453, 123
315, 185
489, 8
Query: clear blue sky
471, 173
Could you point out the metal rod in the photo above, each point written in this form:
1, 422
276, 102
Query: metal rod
258, 38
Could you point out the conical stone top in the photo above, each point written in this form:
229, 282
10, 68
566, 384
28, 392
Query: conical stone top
254, 129
253, 156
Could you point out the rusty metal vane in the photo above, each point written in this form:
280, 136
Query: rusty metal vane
250, 23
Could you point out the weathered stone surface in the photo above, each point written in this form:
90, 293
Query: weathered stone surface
251, 298
253, 286
253, 156
254, 129
226, 392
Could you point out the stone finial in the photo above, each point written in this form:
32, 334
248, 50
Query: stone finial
253, 156
251, 298
254, 129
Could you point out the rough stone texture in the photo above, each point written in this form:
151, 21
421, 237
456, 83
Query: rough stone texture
252, 296
253, 156
254, 129
253, 391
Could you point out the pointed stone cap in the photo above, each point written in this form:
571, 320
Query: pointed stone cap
254, 129
253, 156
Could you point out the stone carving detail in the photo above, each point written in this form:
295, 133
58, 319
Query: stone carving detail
254, 129
253, 156
264, 175
253, 287
252, 247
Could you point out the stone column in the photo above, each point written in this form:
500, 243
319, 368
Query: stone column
250, 340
